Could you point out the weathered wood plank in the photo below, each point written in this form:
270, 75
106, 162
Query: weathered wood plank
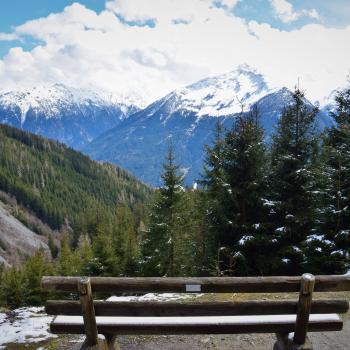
203, 284
128, 325
88, 311
185, 308
304, 308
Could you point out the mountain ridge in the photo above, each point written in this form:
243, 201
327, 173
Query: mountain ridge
108, 128
70, 115
140, 142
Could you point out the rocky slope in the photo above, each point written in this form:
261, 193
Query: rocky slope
17, 242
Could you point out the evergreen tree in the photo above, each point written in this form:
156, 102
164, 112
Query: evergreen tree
90, 266
160, 244
53, 248
102, 245
235, 183
215, 195
293, 183
199, 259
244, 166
33, 270
125, 240
69, 262
329, 251
11, 287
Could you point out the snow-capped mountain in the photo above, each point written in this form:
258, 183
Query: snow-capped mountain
328, 104
70, 115
186, 117
223, 95
115, 128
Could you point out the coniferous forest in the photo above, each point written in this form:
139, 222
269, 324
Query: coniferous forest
262, 207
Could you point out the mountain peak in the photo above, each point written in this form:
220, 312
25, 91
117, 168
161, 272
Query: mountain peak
221, 95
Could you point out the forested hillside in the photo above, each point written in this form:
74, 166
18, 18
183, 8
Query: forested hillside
60, 185
96, 213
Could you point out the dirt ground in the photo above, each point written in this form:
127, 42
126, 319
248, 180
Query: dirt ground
321, 341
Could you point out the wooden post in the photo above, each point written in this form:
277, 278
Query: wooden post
110, 341
88, 311
304, 306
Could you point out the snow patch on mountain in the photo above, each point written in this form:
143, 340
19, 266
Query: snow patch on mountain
218, 96
70, 115
50, 100
186, 118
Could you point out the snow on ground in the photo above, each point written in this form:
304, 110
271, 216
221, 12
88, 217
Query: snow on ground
25, 325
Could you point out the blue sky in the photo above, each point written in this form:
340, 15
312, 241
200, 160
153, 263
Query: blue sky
16, 12
149, 47
332, 13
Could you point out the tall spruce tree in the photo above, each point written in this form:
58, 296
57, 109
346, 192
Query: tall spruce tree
125, 240
214, 196
235, 181
244, 165
329, 251
293, 183
161, 247
200, 260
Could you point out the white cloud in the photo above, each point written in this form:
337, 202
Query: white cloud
285, 12
312, 13
8, 36
229, 3
80, 47
161, 11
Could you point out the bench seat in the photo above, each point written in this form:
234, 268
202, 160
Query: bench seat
196, 325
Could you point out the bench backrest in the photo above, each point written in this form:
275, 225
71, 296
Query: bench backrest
280, 284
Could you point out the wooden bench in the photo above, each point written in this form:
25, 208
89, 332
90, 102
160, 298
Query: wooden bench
110, 318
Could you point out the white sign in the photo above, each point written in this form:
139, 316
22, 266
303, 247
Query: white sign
193, 287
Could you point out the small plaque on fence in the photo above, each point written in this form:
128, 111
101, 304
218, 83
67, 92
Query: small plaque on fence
193, 287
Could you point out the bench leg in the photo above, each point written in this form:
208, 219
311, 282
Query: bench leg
284, 342
103, 344
110, 340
